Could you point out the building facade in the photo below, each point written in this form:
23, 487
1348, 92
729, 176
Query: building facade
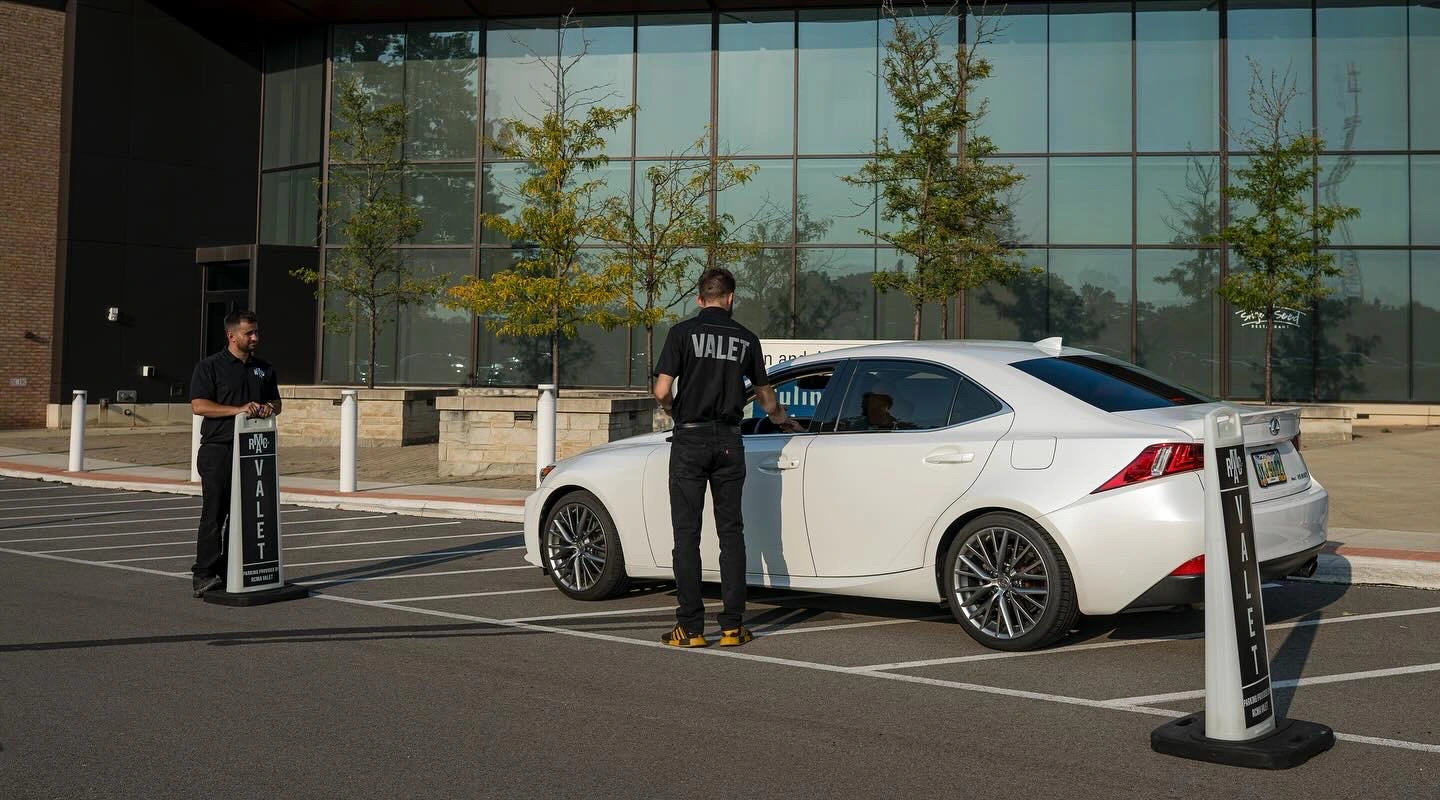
1125, 119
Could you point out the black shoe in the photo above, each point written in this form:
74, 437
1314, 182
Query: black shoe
206, 584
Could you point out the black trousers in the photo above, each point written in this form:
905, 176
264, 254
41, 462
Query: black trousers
713, 457
213, 464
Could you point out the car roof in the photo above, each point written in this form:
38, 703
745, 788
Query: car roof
958, 352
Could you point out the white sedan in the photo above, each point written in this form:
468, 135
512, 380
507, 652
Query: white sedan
1021, 484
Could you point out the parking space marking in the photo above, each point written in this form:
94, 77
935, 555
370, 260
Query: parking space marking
150, 533
424, 557
1183, 637
62, 497
287, 535
37, 489
166, 499
50, 527
88, 514
650, 610
1286, 684
408, 575
390, 541
467, 594
841, 627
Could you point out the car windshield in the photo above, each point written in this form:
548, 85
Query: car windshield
1109, 384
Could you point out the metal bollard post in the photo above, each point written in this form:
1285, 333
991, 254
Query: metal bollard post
544, 429
349, 433
195, 421
77, 432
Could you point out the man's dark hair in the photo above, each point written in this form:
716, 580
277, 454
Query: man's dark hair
716, 283
235, 318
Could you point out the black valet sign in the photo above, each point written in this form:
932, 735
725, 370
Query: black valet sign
1244, 569
254, 546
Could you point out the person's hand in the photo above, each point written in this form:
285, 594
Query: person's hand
790, 425
251, 409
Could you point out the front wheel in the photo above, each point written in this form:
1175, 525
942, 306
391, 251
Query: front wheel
582, 550
1008, 584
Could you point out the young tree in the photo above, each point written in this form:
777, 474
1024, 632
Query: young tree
946, 213
670, 236
372, 278
557, 285
1279, 244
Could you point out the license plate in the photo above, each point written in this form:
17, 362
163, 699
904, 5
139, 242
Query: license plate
1269, 469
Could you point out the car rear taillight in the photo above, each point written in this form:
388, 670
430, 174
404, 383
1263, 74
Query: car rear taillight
1157, 461
1195, 566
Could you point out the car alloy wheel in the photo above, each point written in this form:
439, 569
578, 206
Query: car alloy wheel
581, 549
1007, 584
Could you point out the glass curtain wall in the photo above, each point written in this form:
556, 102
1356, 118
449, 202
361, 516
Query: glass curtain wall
1124, 118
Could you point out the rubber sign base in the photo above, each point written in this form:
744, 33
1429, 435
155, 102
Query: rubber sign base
1292, 743
289, 591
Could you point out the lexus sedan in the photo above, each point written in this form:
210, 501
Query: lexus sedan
1020, 484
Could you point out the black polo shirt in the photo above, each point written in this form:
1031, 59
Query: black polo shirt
225, 379
711, 354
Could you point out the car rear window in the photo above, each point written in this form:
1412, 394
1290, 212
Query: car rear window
1109, 384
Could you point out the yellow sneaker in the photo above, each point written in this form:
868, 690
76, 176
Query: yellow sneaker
679, 637
734, 637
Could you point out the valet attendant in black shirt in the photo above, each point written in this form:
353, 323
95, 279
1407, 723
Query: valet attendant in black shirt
710, 354
231, 382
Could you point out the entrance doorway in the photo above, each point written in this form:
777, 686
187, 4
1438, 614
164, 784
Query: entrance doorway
227, 288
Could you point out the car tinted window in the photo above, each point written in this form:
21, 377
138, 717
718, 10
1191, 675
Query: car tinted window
972, 402
898, 395
1109, 384
801, 395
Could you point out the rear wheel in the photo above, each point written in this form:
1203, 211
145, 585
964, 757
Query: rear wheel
1007, 583
582, 550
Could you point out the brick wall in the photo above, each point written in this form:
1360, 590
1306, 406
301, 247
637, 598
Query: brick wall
31, 71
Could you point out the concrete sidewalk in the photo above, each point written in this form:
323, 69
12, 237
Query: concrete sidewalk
1384, 488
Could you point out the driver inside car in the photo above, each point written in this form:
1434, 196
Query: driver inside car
875, 414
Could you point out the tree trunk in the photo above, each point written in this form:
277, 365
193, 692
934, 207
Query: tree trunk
1269, 345
915, 333
370, 375
649, 353
555, 359
945, 319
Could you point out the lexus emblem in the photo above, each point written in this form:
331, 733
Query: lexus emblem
1274, 427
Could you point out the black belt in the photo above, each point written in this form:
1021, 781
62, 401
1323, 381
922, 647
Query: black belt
719, 426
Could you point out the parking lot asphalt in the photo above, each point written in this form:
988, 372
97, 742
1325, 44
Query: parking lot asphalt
430, 660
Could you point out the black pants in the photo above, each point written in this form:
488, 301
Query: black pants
213, 464
713, 457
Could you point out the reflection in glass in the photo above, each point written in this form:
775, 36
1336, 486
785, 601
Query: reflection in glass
1276, 34
947, 29
1424, 66
1364, 344
1015, 311
1292, 361
1090, 200
605, 74
1026, 201
432, 343
1018, 85
1425, 199
1177, 334
333, 230
761, 208
1177, 76
838, 68
834, 211
1376, 186
1177, 199
440, 86
500, 180
516, 77
290, 207
510, 360
762, 292
1089, 303
1360, 76
894, 312
757, 82
294, 100
1425, 311
444, 195
834, 298
1090, 78
373, 55
672, 82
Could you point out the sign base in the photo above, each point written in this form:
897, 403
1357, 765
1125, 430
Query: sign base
1292, 743
289, 591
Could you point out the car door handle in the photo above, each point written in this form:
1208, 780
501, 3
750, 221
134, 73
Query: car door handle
776, 465
949, 457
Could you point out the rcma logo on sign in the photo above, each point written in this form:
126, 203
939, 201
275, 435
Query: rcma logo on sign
257, 443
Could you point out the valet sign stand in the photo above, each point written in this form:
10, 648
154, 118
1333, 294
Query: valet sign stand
254, 573
1239, 726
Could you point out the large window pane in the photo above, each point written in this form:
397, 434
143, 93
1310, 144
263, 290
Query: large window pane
672, 83
1425, 199
760, 209
834, 298
1177, 199
1177, 76
1090, 200
595, 357
294, 100
838, 68
510, 360
1177, 316
290, 207
374, 56
1365, 330
440, 87
432, 343
1424, 66
946, 28
762, 292
831, 210
757, 89
1425, 310
1360, 76
605, 75
517, 80
1376, 186
894, 312
500, 180
1089, 303
1015, 311
1026, 201
445, 198
1089, 78
1293, 357
1018, 84
1276, 34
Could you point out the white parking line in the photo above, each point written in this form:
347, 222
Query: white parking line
406, 576
650, 610
439, 555
1279, 626
167, 499
389, 541
89, 514
468, 594
50, 527
64, 497
152, 533
398, 528
872, 624
1318, 679
287, 535
37, 489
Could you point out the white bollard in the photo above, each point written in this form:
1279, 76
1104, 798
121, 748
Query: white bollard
77, 432
349, 434
544, 429
195, 421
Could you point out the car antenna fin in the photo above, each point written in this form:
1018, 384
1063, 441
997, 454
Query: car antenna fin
1052, 345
